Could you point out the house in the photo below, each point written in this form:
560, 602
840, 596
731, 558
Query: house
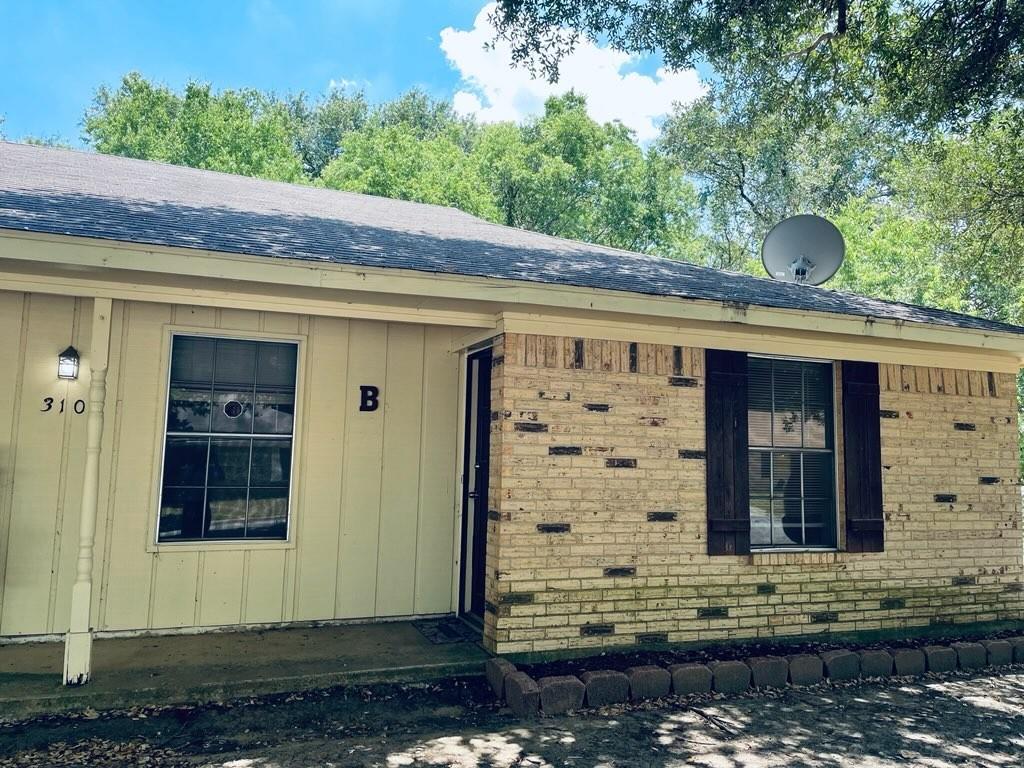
227, 402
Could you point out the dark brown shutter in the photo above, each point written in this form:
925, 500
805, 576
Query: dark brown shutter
728, 486
862, 455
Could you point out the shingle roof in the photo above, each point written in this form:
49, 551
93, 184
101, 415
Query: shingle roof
84, 194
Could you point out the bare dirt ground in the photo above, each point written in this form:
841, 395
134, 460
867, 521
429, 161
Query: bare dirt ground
957, 720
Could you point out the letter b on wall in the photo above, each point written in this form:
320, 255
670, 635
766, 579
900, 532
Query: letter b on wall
369, 397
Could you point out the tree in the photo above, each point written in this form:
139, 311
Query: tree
565, 174
318, 128
240, 132
972, 186
927, 61
754, 166
891, 253
562, 174
425, 118
391, 161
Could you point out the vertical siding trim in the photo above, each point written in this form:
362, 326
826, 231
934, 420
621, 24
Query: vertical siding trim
419, 467
109, 494
7, 497
62, 481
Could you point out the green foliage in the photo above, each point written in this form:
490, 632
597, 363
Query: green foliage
972, 185
755, 166
240, 132
925, 61
318, 128
391, 161
890, 253
566, 175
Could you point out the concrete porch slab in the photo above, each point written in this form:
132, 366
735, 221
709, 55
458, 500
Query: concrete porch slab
174, 669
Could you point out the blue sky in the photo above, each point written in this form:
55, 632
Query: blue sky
57, 52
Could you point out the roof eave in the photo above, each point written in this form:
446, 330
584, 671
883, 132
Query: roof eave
137, 257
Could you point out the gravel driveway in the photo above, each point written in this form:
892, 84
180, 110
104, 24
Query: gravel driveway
953, 721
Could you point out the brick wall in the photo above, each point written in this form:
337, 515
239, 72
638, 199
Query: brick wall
598, 527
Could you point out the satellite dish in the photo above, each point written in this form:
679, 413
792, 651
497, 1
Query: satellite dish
803, 249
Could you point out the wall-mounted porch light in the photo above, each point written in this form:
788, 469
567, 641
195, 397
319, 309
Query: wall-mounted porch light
67, 364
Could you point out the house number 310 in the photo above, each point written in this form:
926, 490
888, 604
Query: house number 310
48, 403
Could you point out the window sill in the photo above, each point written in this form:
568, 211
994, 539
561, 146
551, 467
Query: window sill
217, 546
795, 557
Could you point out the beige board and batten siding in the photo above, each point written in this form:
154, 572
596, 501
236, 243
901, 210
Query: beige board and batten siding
373, 493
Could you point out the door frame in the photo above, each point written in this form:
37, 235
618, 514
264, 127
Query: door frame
463, 582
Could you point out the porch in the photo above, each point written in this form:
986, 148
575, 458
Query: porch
172, 669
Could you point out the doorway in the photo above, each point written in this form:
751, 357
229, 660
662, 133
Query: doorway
476, 474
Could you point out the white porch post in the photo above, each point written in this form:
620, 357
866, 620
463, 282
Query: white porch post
78, 644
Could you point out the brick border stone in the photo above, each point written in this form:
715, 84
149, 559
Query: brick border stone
690, 678
768, 671
1017, 643
648, 682
496, 669
908, 661
970, 655
730, 676
560, 694
939, 658
999, 653
805, 669
875, 663
841, 664
605, 686
522, 694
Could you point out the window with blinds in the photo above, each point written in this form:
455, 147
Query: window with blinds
228, 444
790, 423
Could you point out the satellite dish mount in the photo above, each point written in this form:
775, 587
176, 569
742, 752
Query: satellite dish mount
803, 249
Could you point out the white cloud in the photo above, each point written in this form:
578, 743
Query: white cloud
494, 90
344, 84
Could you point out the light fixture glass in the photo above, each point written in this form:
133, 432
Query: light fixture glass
67, 364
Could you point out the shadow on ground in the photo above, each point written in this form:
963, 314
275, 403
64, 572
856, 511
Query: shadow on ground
960, 720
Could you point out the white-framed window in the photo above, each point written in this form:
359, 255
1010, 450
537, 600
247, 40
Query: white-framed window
228, 439
792, 461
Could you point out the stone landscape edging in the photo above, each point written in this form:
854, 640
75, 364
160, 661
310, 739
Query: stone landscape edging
602, 687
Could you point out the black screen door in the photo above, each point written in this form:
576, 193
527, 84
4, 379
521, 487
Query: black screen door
476, 475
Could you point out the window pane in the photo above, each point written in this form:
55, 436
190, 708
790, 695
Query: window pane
818, 482
760, 469
229, 462
276, 366
225, 513
185, 461
181, 513
268, 513
818, 521
236, 363
189, 409
786, 474
759, 393
229, 387
232, 411
817, 405
192, 360
760, 522
787, 522
788, 390
275, 412
271, 462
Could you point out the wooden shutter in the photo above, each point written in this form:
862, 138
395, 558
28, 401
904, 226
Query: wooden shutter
862, 454
728, 486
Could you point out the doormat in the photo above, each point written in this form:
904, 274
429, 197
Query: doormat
441, 631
